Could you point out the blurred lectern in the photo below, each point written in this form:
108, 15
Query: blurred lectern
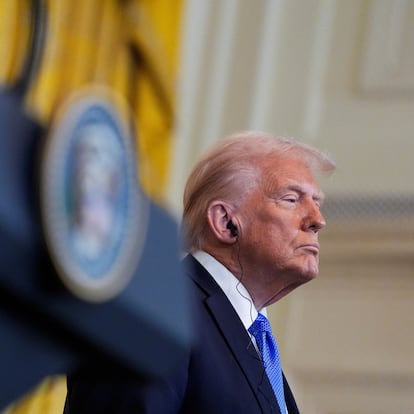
89, 267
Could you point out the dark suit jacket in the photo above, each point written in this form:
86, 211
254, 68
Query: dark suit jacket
222, 373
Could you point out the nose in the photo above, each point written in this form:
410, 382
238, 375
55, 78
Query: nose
314, 220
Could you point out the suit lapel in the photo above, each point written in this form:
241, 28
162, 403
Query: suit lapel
246, 355
236, 337
243, 350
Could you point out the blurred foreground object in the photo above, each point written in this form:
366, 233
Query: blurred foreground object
51, 320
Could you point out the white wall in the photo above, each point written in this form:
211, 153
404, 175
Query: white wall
335, 73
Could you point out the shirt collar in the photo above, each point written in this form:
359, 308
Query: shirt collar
236, 293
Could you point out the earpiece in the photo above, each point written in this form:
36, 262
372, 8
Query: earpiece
232, 228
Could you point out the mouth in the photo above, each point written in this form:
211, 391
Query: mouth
311, 247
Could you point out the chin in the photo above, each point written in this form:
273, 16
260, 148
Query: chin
311, 269
312, 275
306, 275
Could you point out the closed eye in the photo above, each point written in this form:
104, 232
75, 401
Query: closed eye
292, 199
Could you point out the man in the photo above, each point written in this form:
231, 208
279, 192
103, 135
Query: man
251, 222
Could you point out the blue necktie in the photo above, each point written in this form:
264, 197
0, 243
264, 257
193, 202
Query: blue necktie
262, 332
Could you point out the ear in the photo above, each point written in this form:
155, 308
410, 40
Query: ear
218, 216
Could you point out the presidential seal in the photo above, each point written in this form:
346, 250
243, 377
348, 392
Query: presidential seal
93, 212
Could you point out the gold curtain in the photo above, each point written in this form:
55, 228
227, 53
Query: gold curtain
130, 46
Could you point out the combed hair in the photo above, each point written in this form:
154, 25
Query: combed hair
231, 170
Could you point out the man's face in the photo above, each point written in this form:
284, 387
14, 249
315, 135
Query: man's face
280, 222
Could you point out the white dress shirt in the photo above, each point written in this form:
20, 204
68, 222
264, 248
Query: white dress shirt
233, 288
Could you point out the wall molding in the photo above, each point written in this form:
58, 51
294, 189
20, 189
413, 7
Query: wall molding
387, 62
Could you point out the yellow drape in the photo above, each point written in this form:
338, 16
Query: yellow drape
47, 398
130, 46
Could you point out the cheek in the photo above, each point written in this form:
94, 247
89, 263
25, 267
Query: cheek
269, 232
279, 234
274, 243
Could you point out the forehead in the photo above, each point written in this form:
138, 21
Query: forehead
285, 172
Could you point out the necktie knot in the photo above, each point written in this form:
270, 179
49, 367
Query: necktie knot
260, 325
